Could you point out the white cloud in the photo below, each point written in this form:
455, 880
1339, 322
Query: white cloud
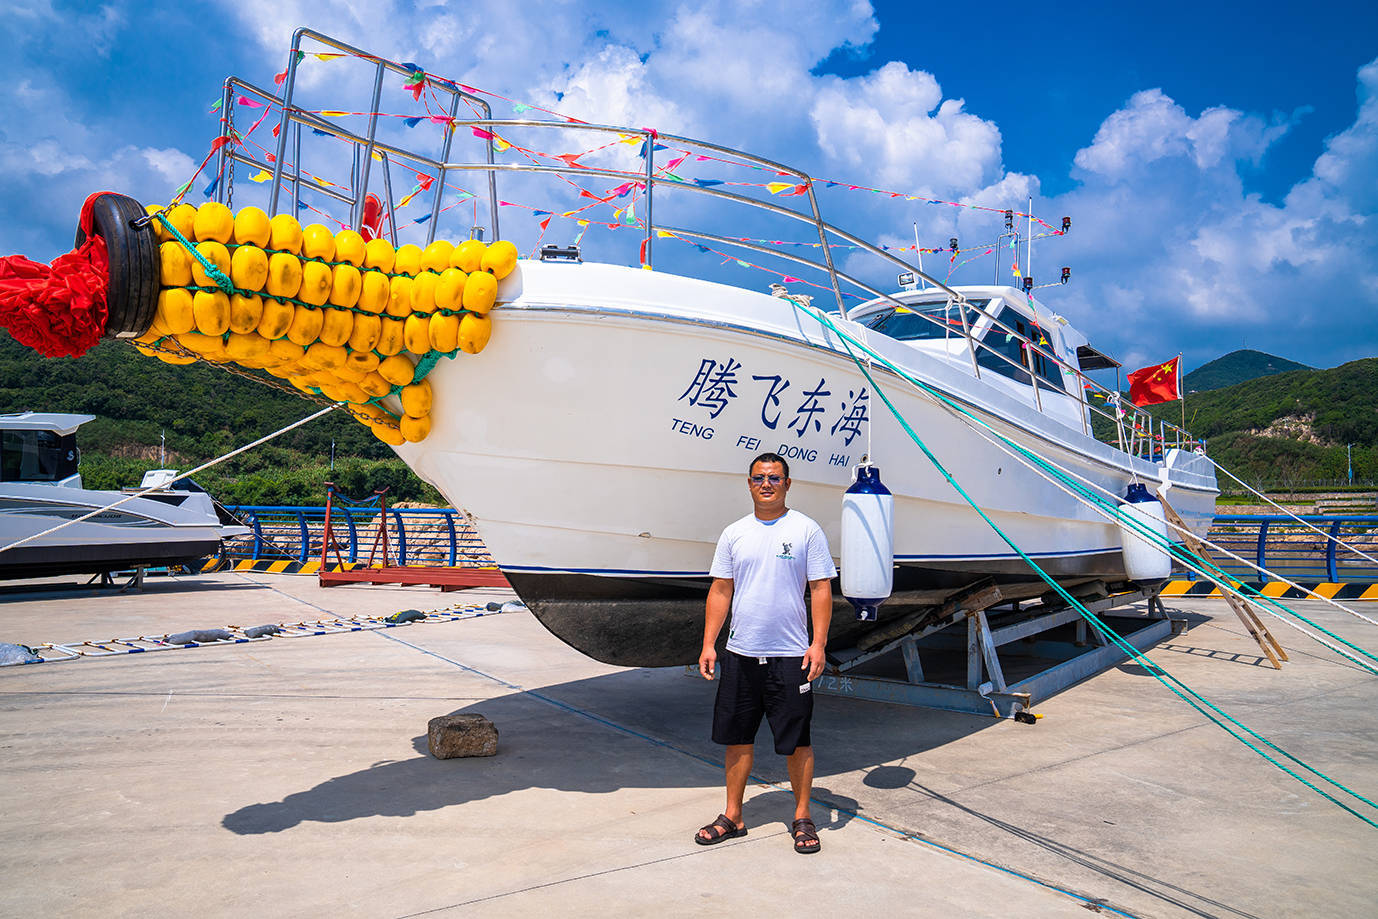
894, 124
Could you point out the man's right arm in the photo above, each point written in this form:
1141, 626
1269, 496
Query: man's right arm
715, 614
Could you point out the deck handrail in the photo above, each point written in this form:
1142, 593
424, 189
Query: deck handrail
1136, 433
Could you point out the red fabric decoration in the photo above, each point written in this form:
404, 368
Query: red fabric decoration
1151, 385
59, 309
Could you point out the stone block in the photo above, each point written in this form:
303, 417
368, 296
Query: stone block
450, 736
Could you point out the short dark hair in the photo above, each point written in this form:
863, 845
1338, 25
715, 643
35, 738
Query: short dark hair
769, 458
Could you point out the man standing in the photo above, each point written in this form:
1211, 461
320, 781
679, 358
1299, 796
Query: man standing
760, 569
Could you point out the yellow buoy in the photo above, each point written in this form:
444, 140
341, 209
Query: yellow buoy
326, 357
416, 333
397, 370
423, 292
284, 274
474, 332
174, 264
414, 430
375, 292
213, 221
375, 385
417, 398
345, 286
449, 292
378, 253
349, 247
500, 258
444, 332
212, 312
364, 334
183, 218
388, 434
217, 255
316, 281
175, 310
276, 319
468, 256
390, 337
317, 242
480, 292
306, 325
399, 301
336, 326
285, 234
408, 260
436, 256
245, 313
249, 268
362, 361
252, 227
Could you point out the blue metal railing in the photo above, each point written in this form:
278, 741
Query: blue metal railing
1297, 552
416, 536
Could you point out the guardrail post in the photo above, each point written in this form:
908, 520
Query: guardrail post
401, 539
353, 536
1261, 555
258, 535
1331, 568
302, 556
450, 524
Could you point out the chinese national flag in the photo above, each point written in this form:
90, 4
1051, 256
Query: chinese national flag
1158, 383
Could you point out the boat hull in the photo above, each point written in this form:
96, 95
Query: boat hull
139, 533
600, 444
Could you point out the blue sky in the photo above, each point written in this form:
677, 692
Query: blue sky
1219, 162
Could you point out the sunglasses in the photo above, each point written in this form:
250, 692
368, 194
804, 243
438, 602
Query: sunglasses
762, 479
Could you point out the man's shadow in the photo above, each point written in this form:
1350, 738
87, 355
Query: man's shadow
634, 729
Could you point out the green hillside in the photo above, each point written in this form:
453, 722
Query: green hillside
204, 412
1236, 367
1290, 428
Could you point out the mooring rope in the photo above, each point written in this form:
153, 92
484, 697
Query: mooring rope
1198, 702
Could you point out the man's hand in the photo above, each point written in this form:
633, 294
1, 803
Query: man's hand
814, 661
707, 660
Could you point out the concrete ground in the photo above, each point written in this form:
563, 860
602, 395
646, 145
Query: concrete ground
291, 777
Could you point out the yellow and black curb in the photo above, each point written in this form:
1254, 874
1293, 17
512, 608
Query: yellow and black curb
274, 566
1306, 590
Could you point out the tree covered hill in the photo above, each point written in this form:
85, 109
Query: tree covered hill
1236, 367
204, 412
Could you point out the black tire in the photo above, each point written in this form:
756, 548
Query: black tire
132, 297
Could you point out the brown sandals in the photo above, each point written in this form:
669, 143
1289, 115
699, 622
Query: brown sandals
720, 829
804, 833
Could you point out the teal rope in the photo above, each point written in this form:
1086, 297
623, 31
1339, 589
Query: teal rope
1188, 558
1186, 694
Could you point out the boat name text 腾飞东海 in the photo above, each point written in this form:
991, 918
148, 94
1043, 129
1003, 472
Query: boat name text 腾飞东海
810, 408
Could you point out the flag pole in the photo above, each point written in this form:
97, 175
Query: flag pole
1181, 392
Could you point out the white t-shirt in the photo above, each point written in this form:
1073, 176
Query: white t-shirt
770, 562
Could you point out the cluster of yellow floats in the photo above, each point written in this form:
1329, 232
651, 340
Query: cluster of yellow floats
328, 312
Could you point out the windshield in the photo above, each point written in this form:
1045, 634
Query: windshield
37, 456
919, 321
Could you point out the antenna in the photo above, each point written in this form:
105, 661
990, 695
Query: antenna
918, 250
1028, 246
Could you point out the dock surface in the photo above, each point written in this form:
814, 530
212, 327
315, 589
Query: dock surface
290, 777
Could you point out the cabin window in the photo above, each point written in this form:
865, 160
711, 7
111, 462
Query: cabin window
37, 456
1005, 353
923, 321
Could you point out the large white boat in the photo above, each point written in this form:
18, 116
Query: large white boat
41, 488
601, 442
603, 460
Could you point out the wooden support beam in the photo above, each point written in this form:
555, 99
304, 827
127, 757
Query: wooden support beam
1246, 615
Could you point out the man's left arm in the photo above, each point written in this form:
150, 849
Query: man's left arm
821, 607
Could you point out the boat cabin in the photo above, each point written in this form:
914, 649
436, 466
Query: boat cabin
41, 447
1001, 323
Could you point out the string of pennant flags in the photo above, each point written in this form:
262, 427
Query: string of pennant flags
623, 198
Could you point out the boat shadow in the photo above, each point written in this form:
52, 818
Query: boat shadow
159, 585
649, 728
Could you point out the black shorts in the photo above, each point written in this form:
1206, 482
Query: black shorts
748, 689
